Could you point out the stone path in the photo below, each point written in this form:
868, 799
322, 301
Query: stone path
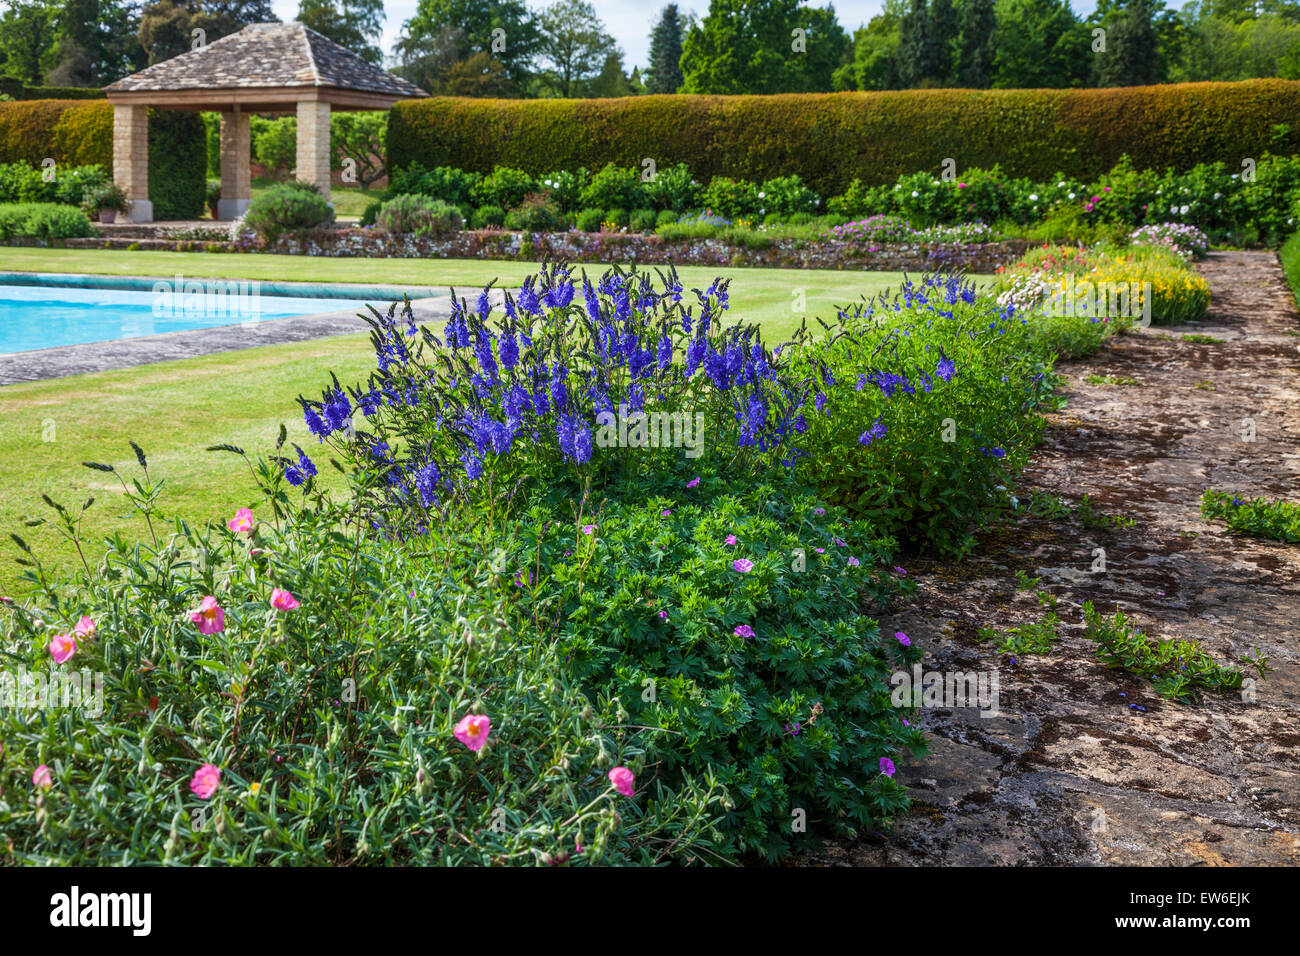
1071, 772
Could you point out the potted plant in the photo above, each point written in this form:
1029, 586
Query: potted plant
214, 197
109, 200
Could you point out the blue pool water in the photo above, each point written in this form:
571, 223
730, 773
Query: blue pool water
42, 317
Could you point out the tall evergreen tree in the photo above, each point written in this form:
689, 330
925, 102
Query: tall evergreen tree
504, 29
975, 50
915, 46
665, 72
944, 31
1132, 49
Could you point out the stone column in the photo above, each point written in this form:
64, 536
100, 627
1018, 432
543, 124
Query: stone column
235, 174
314, 145
131, 158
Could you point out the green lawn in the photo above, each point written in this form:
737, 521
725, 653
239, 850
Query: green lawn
175, 409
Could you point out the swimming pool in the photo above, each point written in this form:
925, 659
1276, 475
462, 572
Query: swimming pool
48, 316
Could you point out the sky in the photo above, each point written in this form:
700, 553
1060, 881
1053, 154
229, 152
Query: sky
629, 22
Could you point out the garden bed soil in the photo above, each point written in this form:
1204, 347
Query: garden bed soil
573, 246
1087, 765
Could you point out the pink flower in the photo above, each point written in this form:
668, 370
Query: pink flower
840, 544
663, 615
206, 780
665, 513
62, 647
588, 529
623, 780
744, 630
473, 730
42, 778
900, 571
85, 627
887, 766
903, 639
693, 483
210, 617
242, 522
743, 565
819, 511
730, 540
854, 562
282, 600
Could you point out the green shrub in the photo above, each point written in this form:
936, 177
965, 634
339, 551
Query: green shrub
642, 220
665, 217
1289, 255
286, 208
419, 215
618, 217
565, 187
443, 182
787, 195
926, 404
43, 221
535, 214
23, 183
178, 164
615, 187
332, 725
488, 217
796, 715
732, 198
673, 188
590, 220
370, 213
829, 139
505, 187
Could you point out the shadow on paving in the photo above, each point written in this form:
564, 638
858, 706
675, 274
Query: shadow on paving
1086, 765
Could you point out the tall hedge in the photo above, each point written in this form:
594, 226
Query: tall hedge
80, 132
829, 139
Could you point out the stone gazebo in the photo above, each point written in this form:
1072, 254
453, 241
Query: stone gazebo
264, 68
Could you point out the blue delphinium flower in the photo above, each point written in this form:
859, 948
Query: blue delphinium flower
426, 483
337, 410
945, 369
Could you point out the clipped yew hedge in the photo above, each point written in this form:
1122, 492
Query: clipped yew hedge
831, 138
80, 133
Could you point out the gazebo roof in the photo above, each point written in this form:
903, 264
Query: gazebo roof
285, 61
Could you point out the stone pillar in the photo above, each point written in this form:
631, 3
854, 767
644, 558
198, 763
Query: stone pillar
235, 158
314, 145
131, 158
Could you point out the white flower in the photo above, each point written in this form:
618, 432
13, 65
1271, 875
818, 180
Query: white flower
762, 195
915, 193
1034, 196
1217, 195
1061, 184
1182, 211
1071, 195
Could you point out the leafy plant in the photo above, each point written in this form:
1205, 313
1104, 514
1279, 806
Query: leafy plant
1279, 520
1177, 669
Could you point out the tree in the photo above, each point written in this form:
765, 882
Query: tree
665, 72
747, 46
575, 44
1039, 43
504, 29
167, 28
825, 48
916, 50
874, 64
611, 81
480, 75
97, 44
1131, 57
355, 24
975, 49
29, 39
357, 142
944, 32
